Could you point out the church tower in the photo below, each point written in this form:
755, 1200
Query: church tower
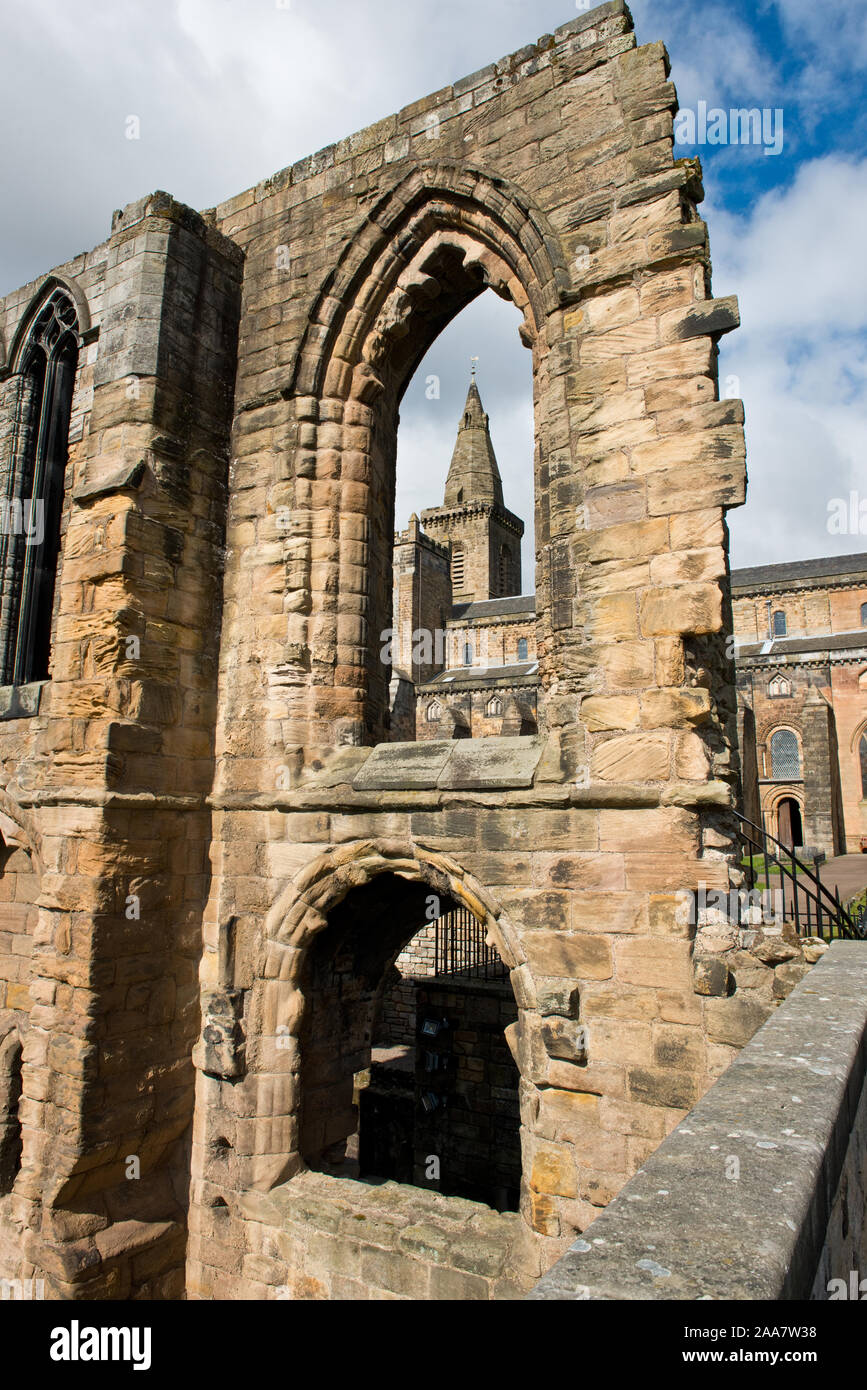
483, 535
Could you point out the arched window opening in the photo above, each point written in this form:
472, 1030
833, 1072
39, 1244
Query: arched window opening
434, 711
10, 1120
467, 656
522, 649
396, 982
494, 707
785, 757
864, 614
464, 468
862, 753
33, 504
779, 686
779, 623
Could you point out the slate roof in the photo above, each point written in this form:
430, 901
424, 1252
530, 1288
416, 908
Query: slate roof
494, 607
826, 567
480, 677
784, 646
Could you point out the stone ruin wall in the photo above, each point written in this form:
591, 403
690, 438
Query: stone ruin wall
259, 592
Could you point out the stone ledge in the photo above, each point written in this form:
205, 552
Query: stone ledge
21, 701
679, 1229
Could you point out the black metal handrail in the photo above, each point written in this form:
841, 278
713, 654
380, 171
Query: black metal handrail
814, 909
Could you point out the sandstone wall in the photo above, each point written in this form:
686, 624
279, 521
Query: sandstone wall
236, 756
548, 176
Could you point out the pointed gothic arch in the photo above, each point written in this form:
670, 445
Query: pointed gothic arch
430, 247
32, 484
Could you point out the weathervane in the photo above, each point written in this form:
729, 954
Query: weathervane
473, 361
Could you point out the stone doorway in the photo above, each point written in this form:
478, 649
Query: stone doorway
789, 823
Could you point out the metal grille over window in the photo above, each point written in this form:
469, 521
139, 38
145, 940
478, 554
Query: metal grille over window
785, 759
461, 949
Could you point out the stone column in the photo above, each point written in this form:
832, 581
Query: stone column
124, 767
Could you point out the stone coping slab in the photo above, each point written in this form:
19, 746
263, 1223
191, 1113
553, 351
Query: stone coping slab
451, 765
491, 762
398, 765
693, 1224
21, 701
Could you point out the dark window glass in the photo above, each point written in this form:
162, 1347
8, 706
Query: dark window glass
785, 759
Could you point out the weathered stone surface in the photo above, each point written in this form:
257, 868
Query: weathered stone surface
504, 762
217, 832
403, 765
676, 1230
711, 976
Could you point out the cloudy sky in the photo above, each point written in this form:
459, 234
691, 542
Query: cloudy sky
228, 91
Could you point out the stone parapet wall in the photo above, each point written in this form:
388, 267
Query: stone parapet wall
320, 1237
759, 1193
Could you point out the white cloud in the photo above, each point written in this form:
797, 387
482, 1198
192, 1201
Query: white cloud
229, 91
796, 264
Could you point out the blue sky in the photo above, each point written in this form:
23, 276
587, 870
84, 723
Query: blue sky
228, 91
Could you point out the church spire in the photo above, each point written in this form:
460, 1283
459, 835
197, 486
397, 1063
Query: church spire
473, 473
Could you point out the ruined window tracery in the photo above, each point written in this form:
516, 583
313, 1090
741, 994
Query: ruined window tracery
10, 1122
779, 686
33, 500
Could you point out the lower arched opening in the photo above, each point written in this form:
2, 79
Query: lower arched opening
406, 1073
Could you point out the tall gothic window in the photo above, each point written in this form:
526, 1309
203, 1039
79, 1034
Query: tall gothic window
32, 500
862, 749
785, 758
522, 649
779, 622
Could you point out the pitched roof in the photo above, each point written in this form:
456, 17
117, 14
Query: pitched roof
785, 646
825, 567
494, 607
480, 677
